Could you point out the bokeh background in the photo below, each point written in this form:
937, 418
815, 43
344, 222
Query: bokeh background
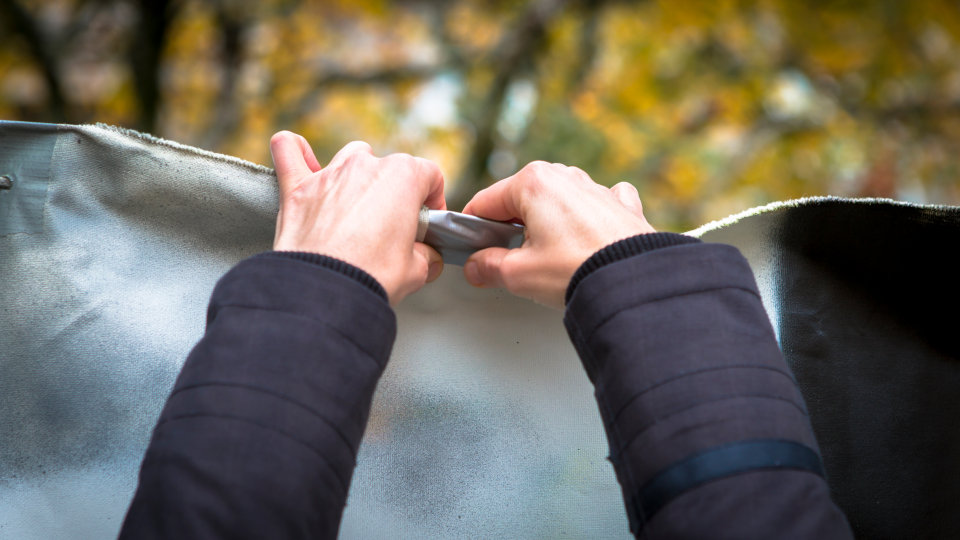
708, 106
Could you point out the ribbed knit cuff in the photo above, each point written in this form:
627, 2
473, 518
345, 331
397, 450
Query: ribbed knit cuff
331, 263
622, 249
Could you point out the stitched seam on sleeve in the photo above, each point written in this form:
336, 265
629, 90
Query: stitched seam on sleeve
587, 354
278, 395
655, 300
623, 448
369, 354
305, 444
673, 378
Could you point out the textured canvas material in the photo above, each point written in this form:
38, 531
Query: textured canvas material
110, 243
863, 296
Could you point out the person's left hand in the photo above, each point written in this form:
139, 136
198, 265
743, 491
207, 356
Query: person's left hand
360, 209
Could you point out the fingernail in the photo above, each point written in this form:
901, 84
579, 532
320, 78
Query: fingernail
434, 271
472, 273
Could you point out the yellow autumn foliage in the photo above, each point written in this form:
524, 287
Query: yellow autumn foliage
708, 106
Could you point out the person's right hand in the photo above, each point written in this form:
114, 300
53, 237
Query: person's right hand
568, 217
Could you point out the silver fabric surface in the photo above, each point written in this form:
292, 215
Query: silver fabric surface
28, 176
456, 236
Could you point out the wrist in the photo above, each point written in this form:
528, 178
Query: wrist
333, 263
622, 249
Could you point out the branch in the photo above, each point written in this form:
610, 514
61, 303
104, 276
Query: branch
19, 20
455, 54
226, 117
84, 13
586, 46
924, 110
516, 50
389, 75
385, 76
145, 52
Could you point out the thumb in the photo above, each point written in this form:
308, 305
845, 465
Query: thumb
292, 159
433, 258
485, 267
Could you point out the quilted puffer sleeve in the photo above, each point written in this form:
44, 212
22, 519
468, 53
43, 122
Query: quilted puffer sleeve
709, 434
259, 436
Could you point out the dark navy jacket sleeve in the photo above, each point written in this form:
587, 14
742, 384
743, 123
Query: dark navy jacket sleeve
259, 436
709, 434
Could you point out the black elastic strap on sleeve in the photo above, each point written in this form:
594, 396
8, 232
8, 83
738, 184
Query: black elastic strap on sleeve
721, 462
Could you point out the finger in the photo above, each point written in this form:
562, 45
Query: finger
350, 149
434, 184
504, 200
433, 258
629, 197
485, 267
496, 202
288, 159
426, 177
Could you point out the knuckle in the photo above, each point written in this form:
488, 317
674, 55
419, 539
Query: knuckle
355, 147
281, 136
509, 276
537, 166
399, 160
488, 269
429, 169
576, 174
533, 185
421, 268
352, 159
426, 165
509, 280
398, 166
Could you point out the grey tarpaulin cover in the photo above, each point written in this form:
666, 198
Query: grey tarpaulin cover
484, 424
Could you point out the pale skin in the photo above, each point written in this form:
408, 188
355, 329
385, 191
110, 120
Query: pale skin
363, 210
360, 209
568, 217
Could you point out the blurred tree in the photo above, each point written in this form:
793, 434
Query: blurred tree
709, 106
